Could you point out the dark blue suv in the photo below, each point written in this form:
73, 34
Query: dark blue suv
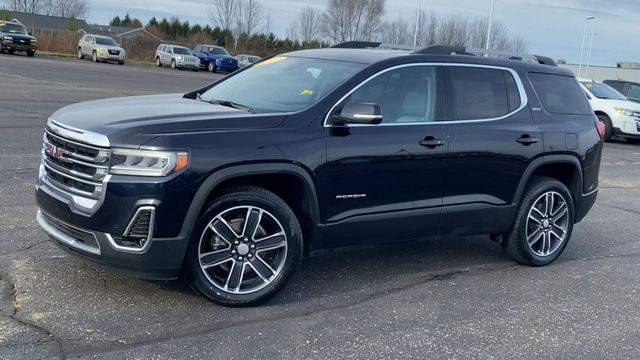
315, 150
215, 58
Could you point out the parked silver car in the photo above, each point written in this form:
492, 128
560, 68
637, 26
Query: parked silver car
246, 60
177, 57
101, 48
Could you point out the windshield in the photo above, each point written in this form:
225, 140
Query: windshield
12, 28
603, 91
253, 59
181, 51
106, 41
216, 50
283, 83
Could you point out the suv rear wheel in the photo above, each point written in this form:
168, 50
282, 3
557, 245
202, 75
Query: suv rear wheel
80, 54
244, 247
158, 63
543, 225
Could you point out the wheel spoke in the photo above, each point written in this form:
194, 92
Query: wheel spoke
560, 213
535, 219
535, 237
546, 243
214, 258
262, 269
251, 223
538, 211
271, 242
548, 204
234, 280
224, 230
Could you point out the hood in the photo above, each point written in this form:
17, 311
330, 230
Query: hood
132, 121
625, 104
110, 47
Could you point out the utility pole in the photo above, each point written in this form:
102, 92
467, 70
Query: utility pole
415, 35
584, 37
493, 6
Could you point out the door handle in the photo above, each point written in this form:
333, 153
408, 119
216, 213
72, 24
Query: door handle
431, 142
528, 140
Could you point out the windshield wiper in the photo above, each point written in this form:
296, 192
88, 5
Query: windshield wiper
230, 104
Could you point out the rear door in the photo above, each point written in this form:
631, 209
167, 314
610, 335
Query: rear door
384, 183
492, 139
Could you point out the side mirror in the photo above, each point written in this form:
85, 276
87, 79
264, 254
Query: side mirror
356, 112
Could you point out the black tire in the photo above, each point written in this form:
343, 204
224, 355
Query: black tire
10, 51
251, 196
31, 53
158, 62
211, 67
173, 64
120, 62
515, 243
80, 54
608, 127
94, 57
633, 141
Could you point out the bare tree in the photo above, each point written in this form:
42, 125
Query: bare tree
77, 9
358, 20
222, 13
249, 16
306, 28
26, 6
397, 32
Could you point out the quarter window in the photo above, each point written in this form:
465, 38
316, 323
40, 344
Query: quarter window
482, 93
634, 91
405, 95
560, 94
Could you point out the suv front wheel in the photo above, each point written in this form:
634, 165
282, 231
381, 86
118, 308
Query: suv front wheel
543, 225
244, 247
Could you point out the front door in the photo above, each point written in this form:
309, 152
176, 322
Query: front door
384, 183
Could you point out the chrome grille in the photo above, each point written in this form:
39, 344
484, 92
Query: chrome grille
73, 166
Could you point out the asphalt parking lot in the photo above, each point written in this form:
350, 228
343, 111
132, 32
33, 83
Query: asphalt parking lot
459, 298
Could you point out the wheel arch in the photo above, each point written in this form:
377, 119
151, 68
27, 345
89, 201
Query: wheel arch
292, 183
565, 168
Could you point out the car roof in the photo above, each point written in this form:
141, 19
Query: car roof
372, 56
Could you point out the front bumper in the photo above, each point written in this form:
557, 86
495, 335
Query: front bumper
158, 262
627, 126
185, 65
8, 44
226, 68
98, 236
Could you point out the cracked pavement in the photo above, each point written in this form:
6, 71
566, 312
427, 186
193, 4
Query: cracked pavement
452, 298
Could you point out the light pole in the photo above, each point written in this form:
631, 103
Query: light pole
415, 35
584, 37
493, 6
586, 74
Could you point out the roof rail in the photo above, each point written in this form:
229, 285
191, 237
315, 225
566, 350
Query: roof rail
374, 45
461, 50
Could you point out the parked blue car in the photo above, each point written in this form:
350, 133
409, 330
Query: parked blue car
215, 58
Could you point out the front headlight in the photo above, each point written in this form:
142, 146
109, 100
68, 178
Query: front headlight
624, 111
8, 37
218, 61
34, 40
147, 162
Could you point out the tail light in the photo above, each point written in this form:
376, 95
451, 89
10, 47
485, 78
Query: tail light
602, 128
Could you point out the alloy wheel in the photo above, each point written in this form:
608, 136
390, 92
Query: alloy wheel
547, 224
242, 250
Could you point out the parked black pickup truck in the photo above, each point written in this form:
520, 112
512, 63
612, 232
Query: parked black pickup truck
15, 37
321, 149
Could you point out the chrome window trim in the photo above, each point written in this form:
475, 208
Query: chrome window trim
86, 138
147, 244
524, 100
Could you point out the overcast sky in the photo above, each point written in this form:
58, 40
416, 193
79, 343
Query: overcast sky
550, 27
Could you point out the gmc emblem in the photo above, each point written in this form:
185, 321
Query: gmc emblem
55, 152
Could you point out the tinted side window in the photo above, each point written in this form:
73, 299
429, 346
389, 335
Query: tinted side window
481, 93
634, 91
560, 94
618, 85
405, 95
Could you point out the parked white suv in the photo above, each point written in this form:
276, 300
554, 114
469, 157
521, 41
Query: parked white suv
620, 115
100, 48
177, 57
